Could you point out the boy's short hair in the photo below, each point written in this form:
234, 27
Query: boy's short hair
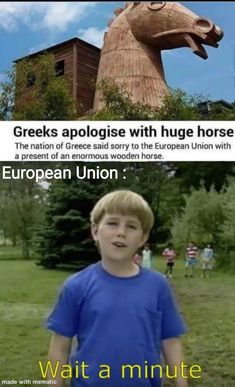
124, 202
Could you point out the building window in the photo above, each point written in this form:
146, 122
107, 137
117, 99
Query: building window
31, 79
59, 68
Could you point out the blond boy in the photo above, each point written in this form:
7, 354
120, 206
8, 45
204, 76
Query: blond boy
123, 315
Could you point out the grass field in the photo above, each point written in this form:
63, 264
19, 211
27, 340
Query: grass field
27, 293
10, 253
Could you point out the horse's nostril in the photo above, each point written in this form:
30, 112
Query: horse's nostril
203, 25
216, 34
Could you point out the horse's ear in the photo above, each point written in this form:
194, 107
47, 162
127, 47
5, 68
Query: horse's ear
133, 4
118, 11
110, 22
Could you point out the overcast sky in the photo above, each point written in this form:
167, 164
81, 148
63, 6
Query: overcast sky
27, 27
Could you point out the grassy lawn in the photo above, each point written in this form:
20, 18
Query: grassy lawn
27, 293
208, 306
10, 253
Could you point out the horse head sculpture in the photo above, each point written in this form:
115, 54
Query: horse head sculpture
131, 53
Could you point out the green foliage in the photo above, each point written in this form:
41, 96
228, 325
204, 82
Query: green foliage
229, 211
21, 212
176, 106
226, 254
43, 68
179, 106
47, 98
200, 220
11, 253
193, 175
208, 217
40, 70
30, 111
56, 102
7, 96
65, 237
50, 98
220, 114
118, 106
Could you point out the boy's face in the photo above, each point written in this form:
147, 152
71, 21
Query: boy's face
118, 236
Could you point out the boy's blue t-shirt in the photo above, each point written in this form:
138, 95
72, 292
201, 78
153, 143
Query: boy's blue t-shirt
118, 322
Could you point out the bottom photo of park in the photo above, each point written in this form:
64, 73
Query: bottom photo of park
117, 274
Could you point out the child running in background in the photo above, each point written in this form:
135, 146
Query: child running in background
169, 254
147, 256
207, 258
191, 259
138, 258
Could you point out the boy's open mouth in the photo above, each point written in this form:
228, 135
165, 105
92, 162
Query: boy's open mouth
119, 244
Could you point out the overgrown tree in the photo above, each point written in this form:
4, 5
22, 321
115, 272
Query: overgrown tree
208, 217
7, 96
200, 220
119, 106
21, 209
65, 237
193, 175
226, 258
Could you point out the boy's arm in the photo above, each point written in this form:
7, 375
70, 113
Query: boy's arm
59, 351
173, 354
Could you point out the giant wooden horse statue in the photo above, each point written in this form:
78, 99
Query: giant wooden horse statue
131, 54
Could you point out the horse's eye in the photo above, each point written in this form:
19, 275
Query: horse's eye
156, 5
